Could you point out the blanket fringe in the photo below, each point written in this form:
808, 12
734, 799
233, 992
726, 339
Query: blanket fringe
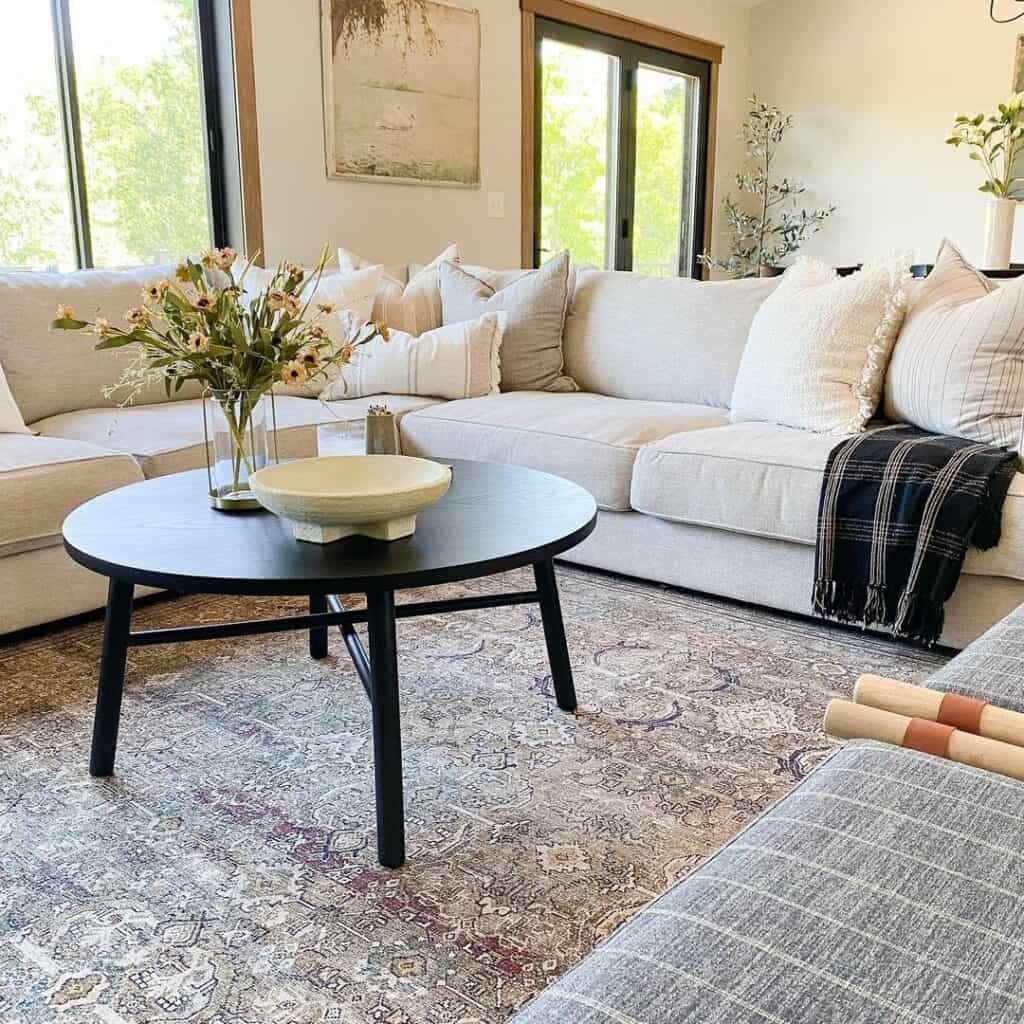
913, 616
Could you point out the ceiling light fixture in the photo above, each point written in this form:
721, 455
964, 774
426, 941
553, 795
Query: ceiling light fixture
1003, 21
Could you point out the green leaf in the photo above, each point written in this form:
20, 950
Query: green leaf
116, 341
64, 324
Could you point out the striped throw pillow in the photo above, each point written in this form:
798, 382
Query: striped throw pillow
958, 364
413, 307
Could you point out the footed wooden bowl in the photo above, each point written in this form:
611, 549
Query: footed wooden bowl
326, 499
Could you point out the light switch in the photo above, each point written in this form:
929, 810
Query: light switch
496, 205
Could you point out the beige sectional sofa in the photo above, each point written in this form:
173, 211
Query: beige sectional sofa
686, 497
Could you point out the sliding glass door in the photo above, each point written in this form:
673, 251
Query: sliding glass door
621, 152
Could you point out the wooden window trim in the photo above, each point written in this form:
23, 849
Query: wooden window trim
624, 27
248, 133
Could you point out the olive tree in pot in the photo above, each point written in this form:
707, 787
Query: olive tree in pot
762, 236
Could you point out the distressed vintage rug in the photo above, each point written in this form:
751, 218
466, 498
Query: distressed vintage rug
228, 873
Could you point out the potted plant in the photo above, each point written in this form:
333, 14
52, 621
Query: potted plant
201, 326
996, 143
761, 239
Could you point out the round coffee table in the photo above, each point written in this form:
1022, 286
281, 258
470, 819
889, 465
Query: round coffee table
162, 533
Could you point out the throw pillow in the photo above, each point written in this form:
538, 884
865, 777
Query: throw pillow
957, 366
414, 307
531, 354
819, 346
11, 421
352, 296
458, 361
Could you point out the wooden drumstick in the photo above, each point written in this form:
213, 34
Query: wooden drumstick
847, 720
963, 713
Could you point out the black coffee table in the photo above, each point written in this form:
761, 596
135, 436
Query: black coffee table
162, 533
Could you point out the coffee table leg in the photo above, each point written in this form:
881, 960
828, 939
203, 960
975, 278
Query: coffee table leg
554, 635
112, 664
387, 729
318, 635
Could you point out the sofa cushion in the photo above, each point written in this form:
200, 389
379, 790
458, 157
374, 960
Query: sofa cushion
886, 887
589, 439
535, 301
956, 368
168, 438
765, 479
50, 372
42, 479
660, 339
819, 346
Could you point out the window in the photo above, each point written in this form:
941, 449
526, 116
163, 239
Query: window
106, 134
620, 150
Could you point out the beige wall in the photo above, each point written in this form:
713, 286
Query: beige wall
302, 208
874, 86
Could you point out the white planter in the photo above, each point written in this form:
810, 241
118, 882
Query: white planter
999, 216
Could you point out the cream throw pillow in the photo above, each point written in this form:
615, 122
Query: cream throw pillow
536, 302
819, 346
352, 296
414, 307
458, 361
11, 421
958, 365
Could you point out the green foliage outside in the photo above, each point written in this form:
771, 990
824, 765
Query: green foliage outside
574, 143
145, 172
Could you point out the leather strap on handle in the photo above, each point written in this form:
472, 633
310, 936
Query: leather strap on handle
963, 713
928, 737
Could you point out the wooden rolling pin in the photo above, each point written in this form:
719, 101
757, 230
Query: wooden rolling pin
851, 721
963, 713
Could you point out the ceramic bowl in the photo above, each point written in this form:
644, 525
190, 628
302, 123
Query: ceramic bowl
326, 499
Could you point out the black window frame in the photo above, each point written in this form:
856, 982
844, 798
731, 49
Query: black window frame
213, 150
631, 56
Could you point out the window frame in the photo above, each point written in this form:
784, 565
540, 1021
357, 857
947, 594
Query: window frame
662, 46
70, 115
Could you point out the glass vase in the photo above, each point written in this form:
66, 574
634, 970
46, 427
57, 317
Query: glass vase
237, 445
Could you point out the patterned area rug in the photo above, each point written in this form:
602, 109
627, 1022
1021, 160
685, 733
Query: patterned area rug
228, 873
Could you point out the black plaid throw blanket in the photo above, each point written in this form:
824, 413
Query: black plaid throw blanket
898, 508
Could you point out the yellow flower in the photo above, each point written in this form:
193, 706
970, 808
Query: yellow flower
205, 301
345, 355
276, 299
156, 290
137, 316
181, 273
208, 258
226, 257
293, 372
292, 306
316, 331
101, 328
292, 269
65, 312
309, 355
325, 307
198, 342
383, 331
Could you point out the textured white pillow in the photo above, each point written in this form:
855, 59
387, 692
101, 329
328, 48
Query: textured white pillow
414, 307
458, 361
11, 421
819, 346
958, 365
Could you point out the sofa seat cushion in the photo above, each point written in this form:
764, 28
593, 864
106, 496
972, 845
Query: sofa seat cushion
589, 439
765, 479
886, 887
168, 438
42, 479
